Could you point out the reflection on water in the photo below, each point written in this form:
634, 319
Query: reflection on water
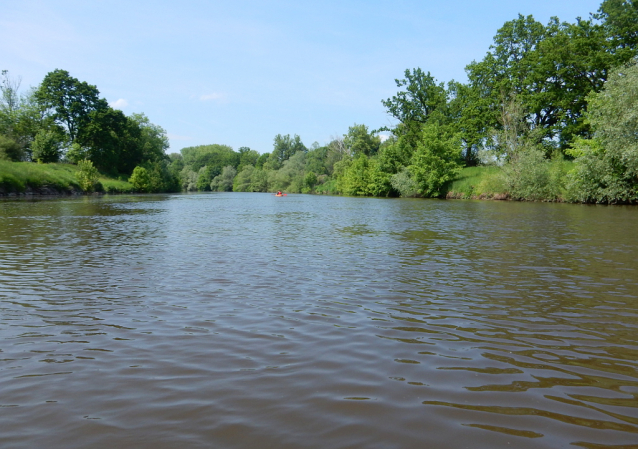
245, 320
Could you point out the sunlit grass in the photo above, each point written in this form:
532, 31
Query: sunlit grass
477, 181
18, 176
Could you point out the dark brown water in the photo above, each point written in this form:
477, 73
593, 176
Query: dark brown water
250, 321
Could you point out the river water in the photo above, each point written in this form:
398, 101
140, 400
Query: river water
239, 320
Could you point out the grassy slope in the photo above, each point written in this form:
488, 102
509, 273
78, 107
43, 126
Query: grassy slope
488, 182
18, 176
476, 182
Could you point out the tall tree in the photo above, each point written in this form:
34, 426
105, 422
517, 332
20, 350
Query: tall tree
620, 20
284, 147
420, 99
70, 101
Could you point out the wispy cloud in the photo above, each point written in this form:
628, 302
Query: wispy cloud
212, 97
119, 104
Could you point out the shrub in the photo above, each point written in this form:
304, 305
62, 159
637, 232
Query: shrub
403, 183
46, 147
140, 179
87, 176
10, 150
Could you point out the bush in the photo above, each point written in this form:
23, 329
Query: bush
530, 176
607, 165
140, 179
403, 183
46, 147
224, 182
87, 176
10, 150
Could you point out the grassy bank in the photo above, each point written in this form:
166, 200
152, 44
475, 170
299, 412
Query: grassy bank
477, 182
21, 177
490, 182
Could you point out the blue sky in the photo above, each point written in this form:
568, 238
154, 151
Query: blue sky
240, 72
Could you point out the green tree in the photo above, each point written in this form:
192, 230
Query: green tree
359, 141
10, 150
47, 146
607, 165
247, 157
620, 21
284, 147
87, 176
70, 101
112, 141
436, 159
420, 99
224, 182
140, 179
243, 180
152, 141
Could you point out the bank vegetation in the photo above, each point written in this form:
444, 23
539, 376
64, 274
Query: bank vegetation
548, 114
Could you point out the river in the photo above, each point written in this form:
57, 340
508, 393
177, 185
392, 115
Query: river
243, 320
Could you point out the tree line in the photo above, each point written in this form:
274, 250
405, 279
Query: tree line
64, 119
551, 106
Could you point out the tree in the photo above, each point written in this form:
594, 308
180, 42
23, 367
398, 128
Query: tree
140, 179
247, 157
10, 150
9, 99
620, 21
607, 165
111, 141
87, 176
284, 147
359, 141
70, 101
47, 146
436, 159
224, 182
153, 141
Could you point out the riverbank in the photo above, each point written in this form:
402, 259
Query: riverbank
31, 179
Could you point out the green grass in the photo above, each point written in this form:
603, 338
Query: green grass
476, 182
18, 176
116, 186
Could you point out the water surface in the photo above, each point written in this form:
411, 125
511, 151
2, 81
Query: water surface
245, 320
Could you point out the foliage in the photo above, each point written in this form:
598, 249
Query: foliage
10, 150
607, 165
224, 182
404, 183
420, 99
247, 157
87, 176
69, 100
530, 176
359, 141
362, 176
436, 159
284, 147
205, 176
140, 179
152, 139
111, 141
47, 146
243, 180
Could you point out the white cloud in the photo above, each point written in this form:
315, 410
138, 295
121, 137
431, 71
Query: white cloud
119, 104
211, 97
384, 137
